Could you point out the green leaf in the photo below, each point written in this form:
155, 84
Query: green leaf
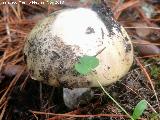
139, 109
86, 64
155, 70
154, 116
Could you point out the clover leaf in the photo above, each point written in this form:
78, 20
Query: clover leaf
86, 64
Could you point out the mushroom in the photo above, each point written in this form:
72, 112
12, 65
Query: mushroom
58, 41
77, 96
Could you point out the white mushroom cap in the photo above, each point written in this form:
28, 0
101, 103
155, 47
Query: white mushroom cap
56, 43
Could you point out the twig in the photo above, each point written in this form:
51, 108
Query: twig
2, 60
124, 6
13, 82
15, 12
24, 82
77, 111
3, 111
150, 56
145, 43
79, 116
6, 19
149, 79
11, 54
156, 28
100, 51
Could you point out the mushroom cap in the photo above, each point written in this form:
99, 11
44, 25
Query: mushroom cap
57, 42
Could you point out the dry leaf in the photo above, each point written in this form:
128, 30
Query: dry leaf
147, 48
11, 70
140, 30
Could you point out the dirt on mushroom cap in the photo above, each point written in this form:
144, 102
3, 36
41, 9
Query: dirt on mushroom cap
57, 42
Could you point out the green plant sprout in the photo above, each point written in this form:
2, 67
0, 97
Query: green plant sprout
139, 109
155, 71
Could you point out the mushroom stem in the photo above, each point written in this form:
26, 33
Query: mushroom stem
77, 96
